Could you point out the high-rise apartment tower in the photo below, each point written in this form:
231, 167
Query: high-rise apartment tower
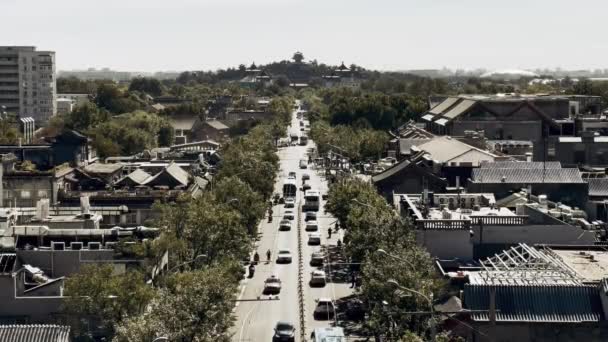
27, 82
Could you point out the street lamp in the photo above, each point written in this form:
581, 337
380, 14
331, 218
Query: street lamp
200, 256
385, 253
429, 299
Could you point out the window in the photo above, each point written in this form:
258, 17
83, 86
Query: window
25, 194
132, 218
8, 194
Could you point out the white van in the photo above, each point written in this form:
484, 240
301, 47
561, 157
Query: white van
328, 335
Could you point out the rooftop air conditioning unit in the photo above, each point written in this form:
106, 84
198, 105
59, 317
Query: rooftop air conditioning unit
58, 246
111, 244
76, 246
94, 246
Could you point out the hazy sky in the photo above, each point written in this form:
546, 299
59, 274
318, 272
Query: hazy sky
150, 35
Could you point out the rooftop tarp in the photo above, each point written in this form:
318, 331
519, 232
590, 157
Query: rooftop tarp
441, 121
462, 107
440, 108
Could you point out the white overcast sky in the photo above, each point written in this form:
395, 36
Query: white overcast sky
151, 35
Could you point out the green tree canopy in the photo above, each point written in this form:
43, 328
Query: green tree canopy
239, 195
98, 294
146, 85
204, 226
115, 100
195, 306
9, 133
131, 133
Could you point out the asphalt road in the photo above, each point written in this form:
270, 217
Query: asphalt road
256, 313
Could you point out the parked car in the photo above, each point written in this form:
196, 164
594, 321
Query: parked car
312, 226
314, 239
285, 225
355, 309
317, 278
272, 285
284, 256
290, 202
288, 215
284, 331
291, 175
325, 309
303, 164
316, 259
310, 216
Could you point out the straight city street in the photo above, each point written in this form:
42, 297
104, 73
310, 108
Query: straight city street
257, 314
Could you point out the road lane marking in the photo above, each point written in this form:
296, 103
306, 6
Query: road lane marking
246, 319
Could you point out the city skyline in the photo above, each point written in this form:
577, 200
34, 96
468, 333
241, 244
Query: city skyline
208, 35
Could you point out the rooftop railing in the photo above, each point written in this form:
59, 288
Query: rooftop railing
462, 224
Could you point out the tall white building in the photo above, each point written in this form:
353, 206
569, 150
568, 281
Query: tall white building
27, 82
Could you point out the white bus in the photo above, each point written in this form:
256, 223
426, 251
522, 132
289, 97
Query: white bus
290, 188
311, 200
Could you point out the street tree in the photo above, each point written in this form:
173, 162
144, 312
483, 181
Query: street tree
195, 306
237, 194
205, 226
97, 294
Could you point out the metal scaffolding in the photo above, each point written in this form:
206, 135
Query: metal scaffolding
525, 265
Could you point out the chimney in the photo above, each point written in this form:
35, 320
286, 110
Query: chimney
85, 207
42, 209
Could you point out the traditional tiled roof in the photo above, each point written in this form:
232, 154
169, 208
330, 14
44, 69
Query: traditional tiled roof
520, 165
391, 171
598, 187
183, 122
34, 333
406, 144
172, 175
137, 177
536, 303
526, 176
102, 168
444, 149
402, 165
